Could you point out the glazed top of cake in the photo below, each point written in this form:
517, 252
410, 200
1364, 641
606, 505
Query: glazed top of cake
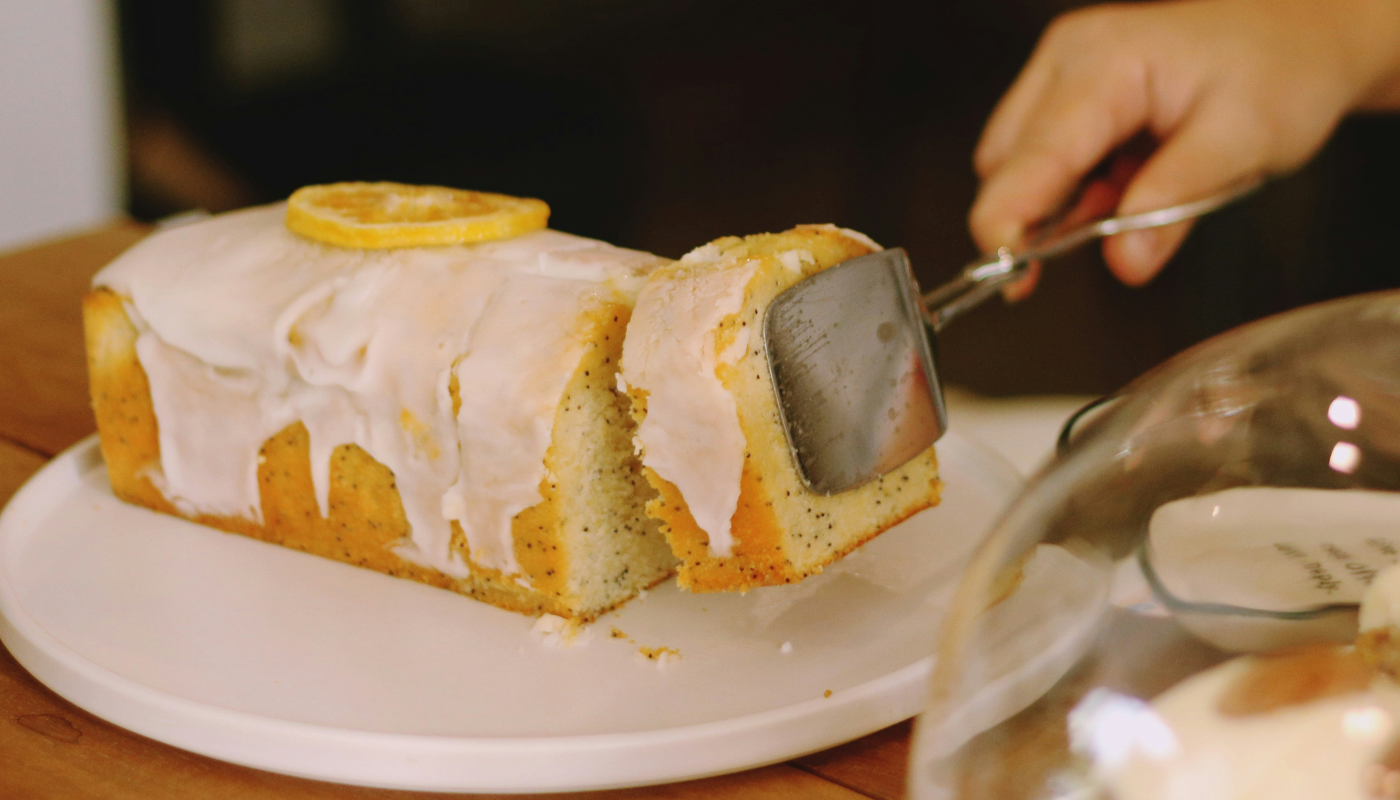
245, 327
691, 435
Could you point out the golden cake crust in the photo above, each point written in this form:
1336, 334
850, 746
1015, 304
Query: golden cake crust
365, 512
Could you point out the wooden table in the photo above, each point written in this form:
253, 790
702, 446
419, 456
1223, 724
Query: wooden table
52, 749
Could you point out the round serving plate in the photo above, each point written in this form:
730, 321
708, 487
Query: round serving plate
275, 659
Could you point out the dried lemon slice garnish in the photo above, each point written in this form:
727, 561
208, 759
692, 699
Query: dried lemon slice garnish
379, 215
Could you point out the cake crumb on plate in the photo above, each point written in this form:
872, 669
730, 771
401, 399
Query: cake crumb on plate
661, 655
559, 632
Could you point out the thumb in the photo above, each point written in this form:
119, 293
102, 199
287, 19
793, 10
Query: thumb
1206, 155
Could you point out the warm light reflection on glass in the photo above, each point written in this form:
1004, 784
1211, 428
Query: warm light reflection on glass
1108, 728
1345, 413
1366, 724
1345, 458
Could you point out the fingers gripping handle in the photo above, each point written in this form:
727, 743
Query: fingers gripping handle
982, 278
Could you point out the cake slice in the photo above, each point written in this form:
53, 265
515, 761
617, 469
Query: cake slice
1378, 637
446, 414
730, 498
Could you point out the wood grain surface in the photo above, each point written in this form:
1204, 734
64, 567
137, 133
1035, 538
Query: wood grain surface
52, 750
43, 402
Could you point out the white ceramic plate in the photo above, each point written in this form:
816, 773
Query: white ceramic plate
272, 658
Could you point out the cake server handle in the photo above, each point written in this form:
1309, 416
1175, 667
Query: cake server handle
982, 278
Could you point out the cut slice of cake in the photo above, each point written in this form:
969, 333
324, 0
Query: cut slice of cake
734, 507
1378, 639
446, 414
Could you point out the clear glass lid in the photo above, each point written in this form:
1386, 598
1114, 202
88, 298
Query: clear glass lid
1195, 600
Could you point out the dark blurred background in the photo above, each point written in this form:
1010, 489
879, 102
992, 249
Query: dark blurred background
661, 124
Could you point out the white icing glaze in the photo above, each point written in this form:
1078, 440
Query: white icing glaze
691, 435
223, 486
245, 328
1320, 748
1380, 606
513, 374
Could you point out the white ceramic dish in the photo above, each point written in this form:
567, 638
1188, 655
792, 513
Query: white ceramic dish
272, 658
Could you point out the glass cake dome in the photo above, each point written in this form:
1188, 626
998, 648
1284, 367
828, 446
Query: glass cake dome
1192, 601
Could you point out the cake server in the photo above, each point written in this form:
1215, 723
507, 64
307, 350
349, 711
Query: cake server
851, 353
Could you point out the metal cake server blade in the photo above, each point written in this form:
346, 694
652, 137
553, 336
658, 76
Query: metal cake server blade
851, 349
854, 372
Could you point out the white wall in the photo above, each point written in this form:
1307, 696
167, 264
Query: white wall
61, 148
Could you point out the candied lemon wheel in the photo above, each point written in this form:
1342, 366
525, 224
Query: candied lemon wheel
379, 215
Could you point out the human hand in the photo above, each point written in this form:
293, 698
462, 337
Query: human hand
1228, 89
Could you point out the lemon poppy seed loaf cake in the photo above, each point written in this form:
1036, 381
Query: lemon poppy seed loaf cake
429, 383
734, 507
444, 413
